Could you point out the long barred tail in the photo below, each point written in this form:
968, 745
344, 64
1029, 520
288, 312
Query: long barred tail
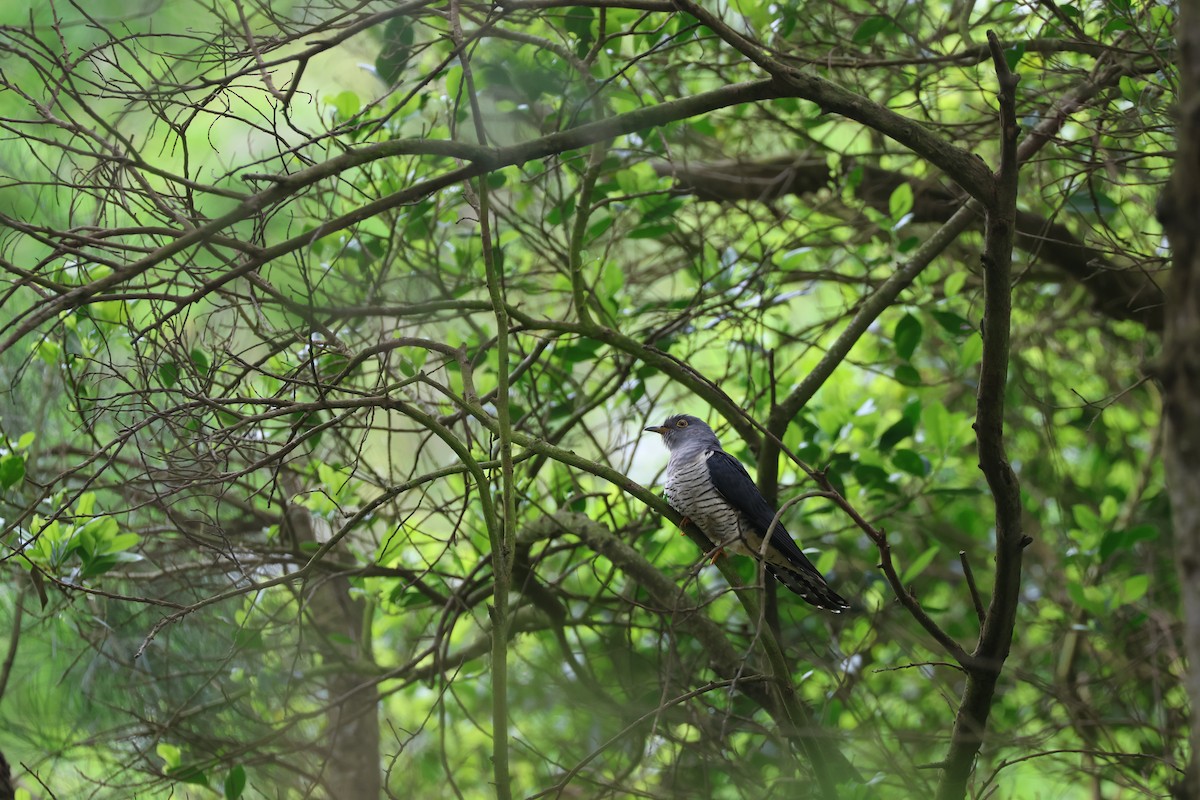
810, 586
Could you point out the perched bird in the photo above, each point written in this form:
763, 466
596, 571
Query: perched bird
712, 489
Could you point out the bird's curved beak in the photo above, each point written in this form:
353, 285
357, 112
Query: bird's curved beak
660, 429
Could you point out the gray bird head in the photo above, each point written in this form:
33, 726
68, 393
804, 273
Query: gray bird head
683, 430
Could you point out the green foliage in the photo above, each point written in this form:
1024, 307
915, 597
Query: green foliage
398, 37
871, 27
252, 470
85, 549
12, 469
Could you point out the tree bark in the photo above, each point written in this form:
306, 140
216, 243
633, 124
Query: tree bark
1179, 369
337, 623
996, 634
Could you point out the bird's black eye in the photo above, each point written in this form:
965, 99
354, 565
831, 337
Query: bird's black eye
681, 424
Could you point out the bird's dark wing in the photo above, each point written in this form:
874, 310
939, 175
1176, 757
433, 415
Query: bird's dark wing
732, 481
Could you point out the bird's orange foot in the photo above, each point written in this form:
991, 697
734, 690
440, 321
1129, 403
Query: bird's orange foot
683, 523
720, 552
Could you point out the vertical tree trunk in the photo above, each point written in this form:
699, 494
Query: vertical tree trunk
336, 623
1180, 367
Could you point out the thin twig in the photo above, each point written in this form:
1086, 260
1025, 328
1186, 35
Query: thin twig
970, 576
920, 664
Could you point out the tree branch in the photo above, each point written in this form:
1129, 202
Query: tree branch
961, 165
791, 715
1119, 292
996, 635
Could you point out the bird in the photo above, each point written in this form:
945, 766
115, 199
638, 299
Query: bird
712, 489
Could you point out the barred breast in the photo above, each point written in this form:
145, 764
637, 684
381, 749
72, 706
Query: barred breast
690, 492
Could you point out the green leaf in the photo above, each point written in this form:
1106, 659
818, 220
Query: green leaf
919, 564
199, 361
954, 283
787, 23
898, 432
657, 211
953, 324
578, 22
907, 336
26, 440
235, 782
911, 462
651, 232
938, 427
346, 104
12, 470
1086, 518
580, 350
971, 352
854, 178
599, 226
85, 505
454, 78
907, 375
1133, 588
872, 27
168, 373
826, 561
94, 536
870, 476
122, 541
1088, 598
407, 597
1113, 541
48, 350
97, 565
188, 774
398, 36
168, 753
1131, 88
330, 364
901, 201
1012, 55
636, 178
1109, 509
612, 277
